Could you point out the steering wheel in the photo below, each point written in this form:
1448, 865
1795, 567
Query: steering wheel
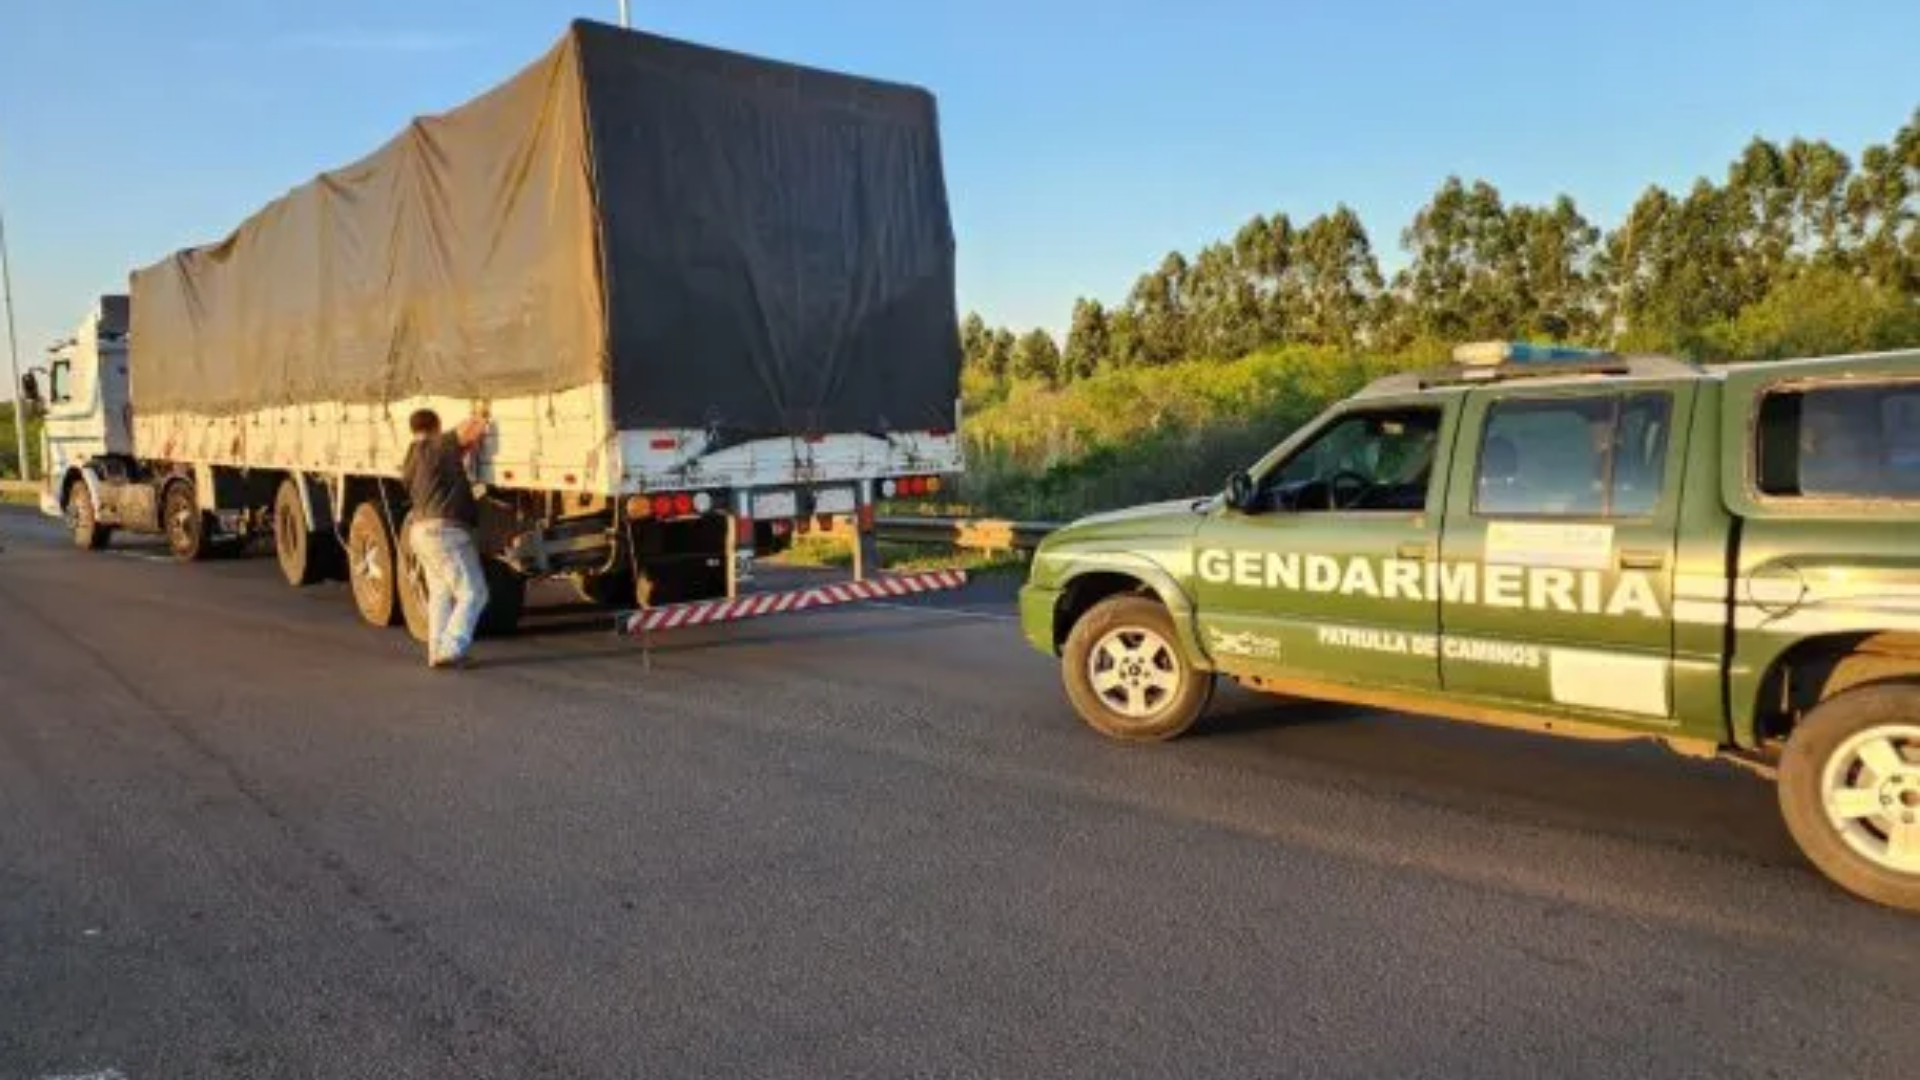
1352, 481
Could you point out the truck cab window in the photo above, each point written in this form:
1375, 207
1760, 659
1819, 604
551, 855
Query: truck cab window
1368, 461
1603, 456
1840, 442
59, 382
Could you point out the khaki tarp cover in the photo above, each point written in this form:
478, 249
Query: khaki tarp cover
732, 243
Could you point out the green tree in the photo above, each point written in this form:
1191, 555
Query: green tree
975, 340
1159, 307
998, 353
1817, 310
1089, 340
1037, 357
1339, 279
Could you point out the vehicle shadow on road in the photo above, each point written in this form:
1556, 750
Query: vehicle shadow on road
665, 644
1635, 789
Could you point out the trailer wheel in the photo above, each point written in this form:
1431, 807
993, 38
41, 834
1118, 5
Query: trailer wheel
506, 594
305, 555
506, 599
1850, 791
614, 590
1126, 675
371, 567
84, 518
186, 525
411, 584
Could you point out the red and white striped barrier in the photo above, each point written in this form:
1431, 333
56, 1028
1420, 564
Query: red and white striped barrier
708, 612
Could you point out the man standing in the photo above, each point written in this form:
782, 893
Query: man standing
440, 533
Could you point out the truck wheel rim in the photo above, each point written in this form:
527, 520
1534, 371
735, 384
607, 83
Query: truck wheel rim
370, 566
1871, 792
180, 523
1134, 671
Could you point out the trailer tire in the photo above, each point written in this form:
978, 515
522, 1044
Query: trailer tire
306, 557
612, 590
1857, 823
506, 594
372, 568
506, 599
411, 584
184, 522
83, 517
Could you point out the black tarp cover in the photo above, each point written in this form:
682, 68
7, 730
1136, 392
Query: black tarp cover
731, 242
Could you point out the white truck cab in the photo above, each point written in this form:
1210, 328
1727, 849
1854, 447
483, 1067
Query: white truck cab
89, 412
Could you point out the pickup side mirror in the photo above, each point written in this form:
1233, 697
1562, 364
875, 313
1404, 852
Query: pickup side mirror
1240, 491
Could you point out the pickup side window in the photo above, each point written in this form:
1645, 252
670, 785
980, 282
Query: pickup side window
1854, 441
1376, 460
1602, 456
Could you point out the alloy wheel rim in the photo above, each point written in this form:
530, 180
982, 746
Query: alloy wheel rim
1135, 672
1870, 791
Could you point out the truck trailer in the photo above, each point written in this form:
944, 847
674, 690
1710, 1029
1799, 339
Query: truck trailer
705, 299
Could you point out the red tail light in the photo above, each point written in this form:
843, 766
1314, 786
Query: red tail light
866, 517
683, 504
743, 531
662, 506
667, 443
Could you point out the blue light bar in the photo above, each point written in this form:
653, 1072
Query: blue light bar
1490, 353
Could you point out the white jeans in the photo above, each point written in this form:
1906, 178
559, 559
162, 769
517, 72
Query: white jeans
456, 586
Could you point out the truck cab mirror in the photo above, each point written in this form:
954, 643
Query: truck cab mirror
30, 389
1240, 491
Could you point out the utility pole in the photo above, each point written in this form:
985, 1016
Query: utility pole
625, 22
13, 355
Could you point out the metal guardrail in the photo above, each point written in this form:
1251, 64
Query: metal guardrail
979, 535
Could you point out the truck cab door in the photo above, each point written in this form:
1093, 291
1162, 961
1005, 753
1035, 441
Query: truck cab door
1559, 549
1320, 575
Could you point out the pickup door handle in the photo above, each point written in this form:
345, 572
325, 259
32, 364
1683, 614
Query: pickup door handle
1420, 551
1643, 560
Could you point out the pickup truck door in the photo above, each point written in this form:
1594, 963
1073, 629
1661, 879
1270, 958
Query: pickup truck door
1558, 548
1319, 579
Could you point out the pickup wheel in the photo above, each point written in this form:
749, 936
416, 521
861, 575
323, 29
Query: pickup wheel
185, 523
372, 567
1850, 791
1126, 675
83, 518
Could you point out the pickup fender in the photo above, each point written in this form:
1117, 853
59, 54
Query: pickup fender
1164, 586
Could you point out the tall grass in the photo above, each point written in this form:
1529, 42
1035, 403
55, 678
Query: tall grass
1142, 434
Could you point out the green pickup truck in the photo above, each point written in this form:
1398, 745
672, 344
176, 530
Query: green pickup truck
1726, 559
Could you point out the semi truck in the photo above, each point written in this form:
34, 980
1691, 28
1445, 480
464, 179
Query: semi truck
704, 300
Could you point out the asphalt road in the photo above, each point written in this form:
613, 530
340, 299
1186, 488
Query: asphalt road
243, 835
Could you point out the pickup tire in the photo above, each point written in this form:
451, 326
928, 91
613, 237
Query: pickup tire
372, 567
83, 518
1126, 675
1850, 791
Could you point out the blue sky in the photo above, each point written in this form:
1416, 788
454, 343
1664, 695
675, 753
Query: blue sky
1084, 139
